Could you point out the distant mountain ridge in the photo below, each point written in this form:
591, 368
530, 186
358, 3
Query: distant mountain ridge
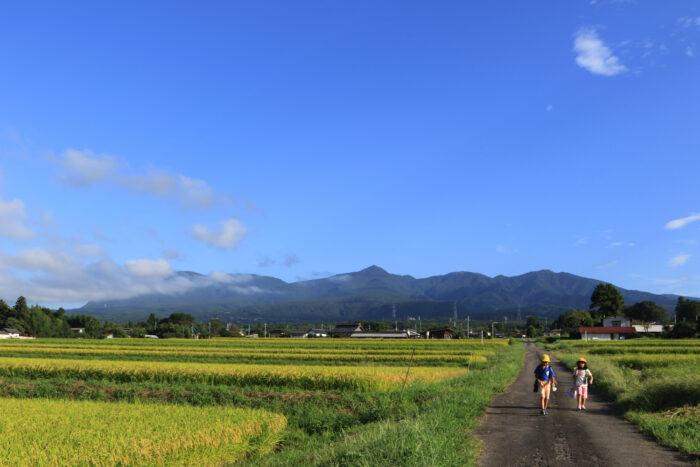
365, 295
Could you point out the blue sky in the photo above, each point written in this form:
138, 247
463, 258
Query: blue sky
303, 139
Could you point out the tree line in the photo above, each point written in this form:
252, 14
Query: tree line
38, 321
606, 300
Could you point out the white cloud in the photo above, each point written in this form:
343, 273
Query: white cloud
679, 260
682, 222
219, 276
618, 244
155, 183
83, 168
39, 260
87, 249
608, 265
595, 56
689, 51
195, 193
341, 278
688, 21
171, 253
148, 267
188, 192
291, 260
549, 108
12, 218
227, 237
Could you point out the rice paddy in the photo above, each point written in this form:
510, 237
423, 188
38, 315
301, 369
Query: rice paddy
215, 402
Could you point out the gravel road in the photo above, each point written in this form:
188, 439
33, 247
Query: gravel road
515, 434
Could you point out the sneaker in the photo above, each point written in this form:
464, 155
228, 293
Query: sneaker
583, 407
545, 412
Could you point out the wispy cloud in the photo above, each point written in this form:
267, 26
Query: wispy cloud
682, 222
619, 244
594, 55
266, 262
689, 21
679, 260
291, 260
148, 267
226, 237
13, 220
171, 253
608, 265
689, 51
84, 168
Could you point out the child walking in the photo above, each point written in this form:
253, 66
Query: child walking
582, 378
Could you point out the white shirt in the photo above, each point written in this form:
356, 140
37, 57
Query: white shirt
581, 377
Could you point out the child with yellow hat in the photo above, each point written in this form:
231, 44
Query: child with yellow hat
545, 380
582, 378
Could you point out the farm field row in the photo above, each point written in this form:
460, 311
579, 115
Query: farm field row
655, 382
304, 409
50, 432
361, 378
349, 355
274, 343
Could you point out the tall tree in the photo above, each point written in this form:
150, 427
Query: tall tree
606, 300
647, 312
687, 310
571, 322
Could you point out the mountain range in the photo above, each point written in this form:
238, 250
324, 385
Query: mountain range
369, 294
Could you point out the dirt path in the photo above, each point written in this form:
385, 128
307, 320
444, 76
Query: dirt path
515, 434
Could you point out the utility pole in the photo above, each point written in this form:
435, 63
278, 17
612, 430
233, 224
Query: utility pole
210, 329
393, 316
454, 313
482, 336
468, 331
265, 330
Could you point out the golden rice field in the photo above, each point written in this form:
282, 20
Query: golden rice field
306, 377
41, 432
213, 402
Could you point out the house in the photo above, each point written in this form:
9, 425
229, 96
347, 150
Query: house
298, 334
617, 321
605, 333
381, 335
78, 330
317, 333
344, 330
278, 333
151, 336
441, 333
9, 333
656, 328
252, 336
109, 336
553, 333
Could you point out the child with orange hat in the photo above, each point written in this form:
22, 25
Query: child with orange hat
582, 378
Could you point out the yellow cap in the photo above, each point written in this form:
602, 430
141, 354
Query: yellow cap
582, 360
545, 358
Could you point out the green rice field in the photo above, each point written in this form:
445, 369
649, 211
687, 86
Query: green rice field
656, 383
